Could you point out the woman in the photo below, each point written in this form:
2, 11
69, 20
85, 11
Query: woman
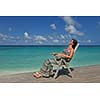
67, 54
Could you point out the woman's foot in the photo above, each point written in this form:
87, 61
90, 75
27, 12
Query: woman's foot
37, 75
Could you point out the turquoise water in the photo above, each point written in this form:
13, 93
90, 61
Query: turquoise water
30, 58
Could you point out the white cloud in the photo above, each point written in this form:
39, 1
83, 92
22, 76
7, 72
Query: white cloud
89, 41
66, 36
53, 26
50, 37
80, 33
5, 37
11, 37
59, 39
71, 25
85, 41
68, 20
64, 41
26, 41
26, 35
62, 36
71, 29
8, 38
1, 35
69, 36
39, 39
55, 41
39, 42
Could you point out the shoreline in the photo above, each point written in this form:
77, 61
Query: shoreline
14, 73
90, 74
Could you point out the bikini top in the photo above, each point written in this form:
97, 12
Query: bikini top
66, 51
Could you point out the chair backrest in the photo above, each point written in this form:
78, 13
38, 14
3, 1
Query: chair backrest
76, 47
75, 51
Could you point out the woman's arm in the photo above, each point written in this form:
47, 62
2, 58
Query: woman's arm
66, 56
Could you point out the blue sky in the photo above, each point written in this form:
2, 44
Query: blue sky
52, 30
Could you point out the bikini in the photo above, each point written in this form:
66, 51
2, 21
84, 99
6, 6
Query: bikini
67, 52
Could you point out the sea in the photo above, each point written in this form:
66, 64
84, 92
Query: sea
19, 59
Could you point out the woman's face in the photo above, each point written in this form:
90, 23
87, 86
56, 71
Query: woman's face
71, 42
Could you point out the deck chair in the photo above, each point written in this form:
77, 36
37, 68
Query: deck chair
59, 66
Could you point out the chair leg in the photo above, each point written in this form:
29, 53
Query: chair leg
70, 71
57, 71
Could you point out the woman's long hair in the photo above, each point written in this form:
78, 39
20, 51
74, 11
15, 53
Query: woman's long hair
75, 43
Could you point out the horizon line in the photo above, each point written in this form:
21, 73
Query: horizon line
49, 45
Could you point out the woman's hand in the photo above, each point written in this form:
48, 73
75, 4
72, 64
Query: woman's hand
59, 55
54, 53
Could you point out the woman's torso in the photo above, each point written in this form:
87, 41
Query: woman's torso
67, 51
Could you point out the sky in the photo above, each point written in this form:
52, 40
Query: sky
49, 30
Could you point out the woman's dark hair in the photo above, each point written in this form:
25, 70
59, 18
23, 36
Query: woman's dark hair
75, 43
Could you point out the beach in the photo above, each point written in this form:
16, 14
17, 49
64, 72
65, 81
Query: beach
18, 63
86, 74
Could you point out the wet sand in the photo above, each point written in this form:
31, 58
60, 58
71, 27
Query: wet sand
87, 74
